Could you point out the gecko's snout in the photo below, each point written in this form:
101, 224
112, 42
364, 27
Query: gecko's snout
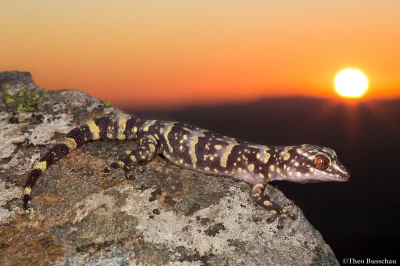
343, 176
346, 176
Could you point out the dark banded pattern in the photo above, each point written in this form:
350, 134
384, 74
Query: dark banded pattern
100, 128
201, 150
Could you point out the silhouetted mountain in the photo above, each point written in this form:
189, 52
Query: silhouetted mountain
359, 219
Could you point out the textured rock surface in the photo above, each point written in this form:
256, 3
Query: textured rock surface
167, 215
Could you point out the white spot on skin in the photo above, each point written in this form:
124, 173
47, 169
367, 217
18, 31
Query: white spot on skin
251, 167
263, 156
286, 157
152, 147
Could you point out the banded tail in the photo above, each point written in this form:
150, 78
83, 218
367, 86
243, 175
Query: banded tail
116, 127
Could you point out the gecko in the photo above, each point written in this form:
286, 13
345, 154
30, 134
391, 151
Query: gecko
201, 150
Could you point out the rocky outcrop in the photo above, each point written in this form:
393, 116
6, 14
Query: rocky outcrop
166, 215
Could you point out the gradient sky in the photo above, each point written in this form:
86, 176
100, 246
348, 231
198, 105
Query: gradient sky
148, 53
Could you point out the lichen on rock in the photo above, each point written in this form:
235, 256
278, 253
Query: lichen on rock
23, 101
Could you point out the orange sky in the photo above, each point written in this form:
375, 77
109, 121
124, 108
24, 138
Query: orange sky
148, 53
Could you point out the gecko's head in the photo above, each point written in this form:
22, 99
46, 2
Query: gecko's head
309, 163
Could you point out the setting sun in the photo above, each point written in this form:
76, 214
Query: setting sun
351, 82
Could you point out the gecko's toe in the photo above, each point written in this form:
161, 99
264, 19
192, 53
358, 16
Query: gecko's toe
281, 222
292, 216
129, 175
109, 168
289, 214
272, 218
282, 216
275, 216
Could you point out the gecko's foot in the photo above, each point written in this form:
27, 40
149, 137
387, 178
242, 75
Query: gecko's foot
281, 214
274, 208
131, 172
112, 166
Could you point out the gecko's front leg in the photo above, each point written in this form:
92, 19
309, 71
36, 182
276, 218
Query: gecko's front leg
275, 209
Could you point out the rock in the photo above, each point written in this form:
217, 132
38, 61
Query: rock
15, 77
166, 215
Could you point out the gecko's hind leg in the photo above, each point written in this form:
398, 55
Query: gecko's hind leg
131, 161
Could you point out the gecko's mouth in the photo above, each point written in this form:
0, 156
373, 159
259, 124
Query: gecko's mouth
343, 177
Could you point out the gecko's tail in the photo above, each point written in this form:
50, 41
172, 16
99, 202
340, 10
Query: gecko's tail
120, 126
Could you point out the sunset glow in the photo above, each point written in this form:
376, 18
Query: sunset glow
351, 83
174, 53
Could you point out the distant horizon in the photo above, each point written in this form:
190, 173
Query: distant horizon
191, 105
126, 104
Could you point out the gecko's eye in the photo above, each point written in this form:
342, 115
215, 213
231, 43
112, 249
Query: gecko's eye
321, 162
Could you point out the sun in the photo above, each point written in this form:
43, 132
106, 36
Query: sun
351, 83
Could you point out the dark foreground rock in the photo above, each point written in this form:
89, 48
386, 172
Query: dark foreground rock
166, 216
